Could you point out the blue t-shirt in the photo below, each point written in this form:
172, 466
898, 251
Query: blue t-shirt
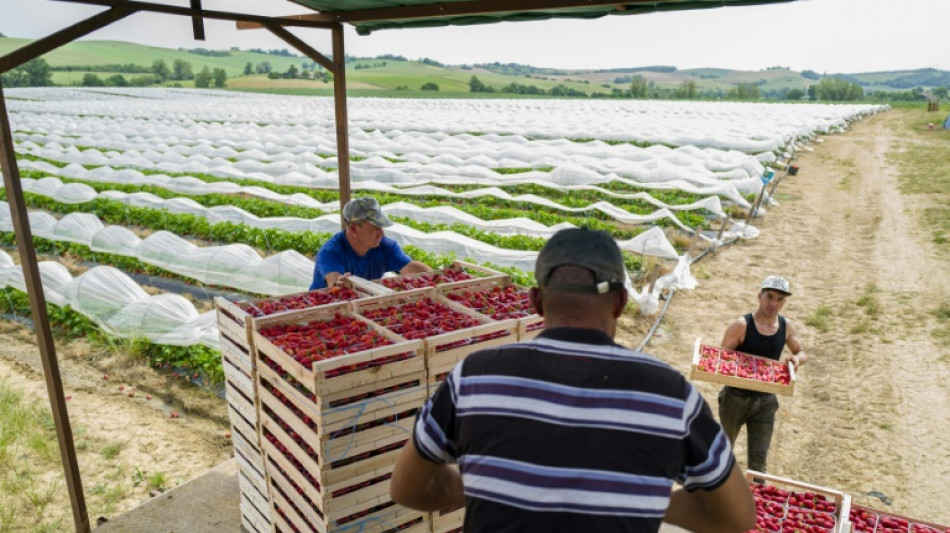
337, 255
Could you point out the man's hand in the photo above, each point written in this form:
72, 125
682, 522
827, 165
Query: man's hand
335, 279
798, 359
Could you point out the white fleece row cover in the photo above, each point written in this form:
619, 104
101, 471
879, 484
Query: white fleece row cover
118, 305
195, 187
747, 127
403, 141
652, 242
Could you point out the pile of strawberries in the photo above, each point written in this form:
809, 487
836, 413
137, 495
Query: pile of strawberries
866, 520
426, 279
307, 300
499, 303
421, 318
779, 510
324, 339
737, 364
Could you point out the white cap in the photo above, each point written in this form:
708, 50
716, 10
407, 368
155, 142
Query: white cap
776, 283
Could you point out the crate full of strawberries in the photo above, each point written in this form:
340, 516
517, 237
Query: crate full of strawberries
498, 299
742, 370
236, 318
786, 505
458, 272
868, 520
449, 330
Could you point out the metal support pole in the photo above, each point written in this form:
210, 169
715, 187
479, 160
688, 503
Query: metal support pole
44, 334
342, 130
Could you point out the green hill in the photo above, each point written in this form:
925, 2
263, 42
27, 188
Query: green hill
393, 74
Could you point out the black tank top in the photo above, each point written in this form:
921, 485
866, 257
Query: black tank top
755, 343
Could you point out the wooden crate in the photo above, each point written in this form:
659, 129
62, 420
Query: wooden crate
238, 323
476, 271
841, 500
487, 334
328, 377
698, 374
529, 326
382, 518
914, 525
329, 424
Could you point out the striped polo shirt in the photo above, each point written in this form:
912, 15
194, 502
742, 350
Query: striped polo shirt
571, 432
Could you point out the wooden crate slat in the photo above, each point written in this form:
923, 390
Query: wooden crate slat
259, 522
528, 327
250, 469
252, 494
232, 320
291, 515
239, 379
446, 522
383, 520
301, 506
239, 402
238, 354
242, 426
281, 525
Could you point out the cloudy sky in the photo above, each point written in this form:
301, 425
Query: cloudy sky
828, 36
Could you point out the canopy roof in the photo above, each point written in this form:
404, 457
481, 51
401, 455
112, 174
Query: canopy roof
371, 15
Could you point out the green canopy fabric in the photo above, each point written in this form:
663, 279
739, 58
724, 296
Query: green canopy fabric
364, 16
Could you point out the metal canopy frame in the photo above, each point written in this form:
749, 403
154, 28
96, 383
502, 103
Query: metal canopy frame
440, 12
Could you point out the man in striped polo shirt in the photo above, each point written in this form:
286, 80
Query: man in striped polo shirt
570, 431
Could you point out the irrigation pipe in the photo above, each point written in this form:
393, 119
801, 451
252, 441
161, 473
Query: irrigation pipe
672, 291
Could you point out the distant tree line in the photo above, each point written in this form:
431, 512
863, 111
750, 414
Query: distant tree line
128, 68
206, 52
283, 52
475, 85
33, 73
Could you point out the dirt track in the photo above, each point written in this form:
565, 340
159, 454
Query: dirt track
872, 406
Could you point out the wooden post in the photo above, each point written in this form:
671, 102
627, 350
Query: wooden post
758, 201
44, 334
693, 239
722, 229
654, 274
342, 131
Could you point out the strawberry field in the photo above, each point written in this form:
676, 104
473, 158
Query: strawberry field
239, 191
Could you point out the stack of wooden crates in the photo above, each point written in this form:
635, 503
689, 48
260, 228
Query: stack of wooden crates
316, 447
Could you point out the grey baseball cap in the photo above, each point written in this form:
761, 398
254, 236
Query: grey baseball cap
365, 208
776, 283
594, 250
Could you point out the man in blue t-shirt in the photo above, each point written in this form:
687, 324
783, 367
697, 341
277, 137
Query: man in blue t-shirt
362, 249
